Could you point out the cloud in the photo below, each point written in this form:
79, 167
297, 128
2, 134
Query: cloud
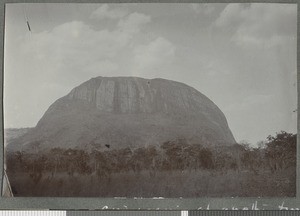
70, 49
202, 8
75, 47
62, 58
104, 68
232, 15
133, 22
127, 23
265, 25
104, 12
155, 54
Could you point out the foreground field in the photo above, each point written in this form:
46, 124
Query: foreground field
200, 183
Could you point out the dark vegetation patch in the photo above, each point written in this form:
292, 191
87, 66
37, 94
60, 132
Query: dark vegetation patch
174, 169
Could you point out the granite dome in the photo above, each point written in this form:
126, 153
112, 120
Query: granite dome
129, 112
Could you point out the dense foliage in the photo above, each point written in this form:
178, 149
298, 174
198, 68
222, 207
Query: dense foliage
276, 153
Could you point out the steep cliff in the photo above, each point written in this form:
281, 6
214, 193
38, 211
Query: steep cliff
128, 112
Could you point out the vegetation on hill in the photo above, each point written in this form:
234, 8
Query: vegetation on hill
176, 168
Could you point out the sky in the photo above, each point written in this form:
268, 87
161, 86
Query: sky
241, 56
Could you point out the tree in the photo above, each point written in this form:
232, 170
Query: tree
176, 153
262, 144
281, 150
206, 158
76, 160
57, 154
123, 159
137, 161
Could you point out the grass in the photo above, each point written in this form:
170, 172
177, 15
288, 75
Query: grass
199, 183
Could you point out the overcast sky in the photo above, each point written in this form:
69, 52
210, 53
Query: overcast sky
242, 56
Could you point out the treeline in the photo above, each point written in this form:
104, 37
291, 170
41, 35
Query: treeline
276, 153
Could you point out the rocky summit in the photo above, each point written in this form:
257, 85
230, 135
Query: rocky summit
119, 112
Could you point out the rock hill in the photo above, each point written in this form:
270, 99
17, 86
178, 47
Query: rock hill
119, 112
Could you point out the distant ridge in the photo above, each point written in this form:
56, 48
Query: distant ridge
13, 133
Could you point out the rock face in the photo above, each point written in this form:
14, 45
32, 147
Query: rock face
124, 112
